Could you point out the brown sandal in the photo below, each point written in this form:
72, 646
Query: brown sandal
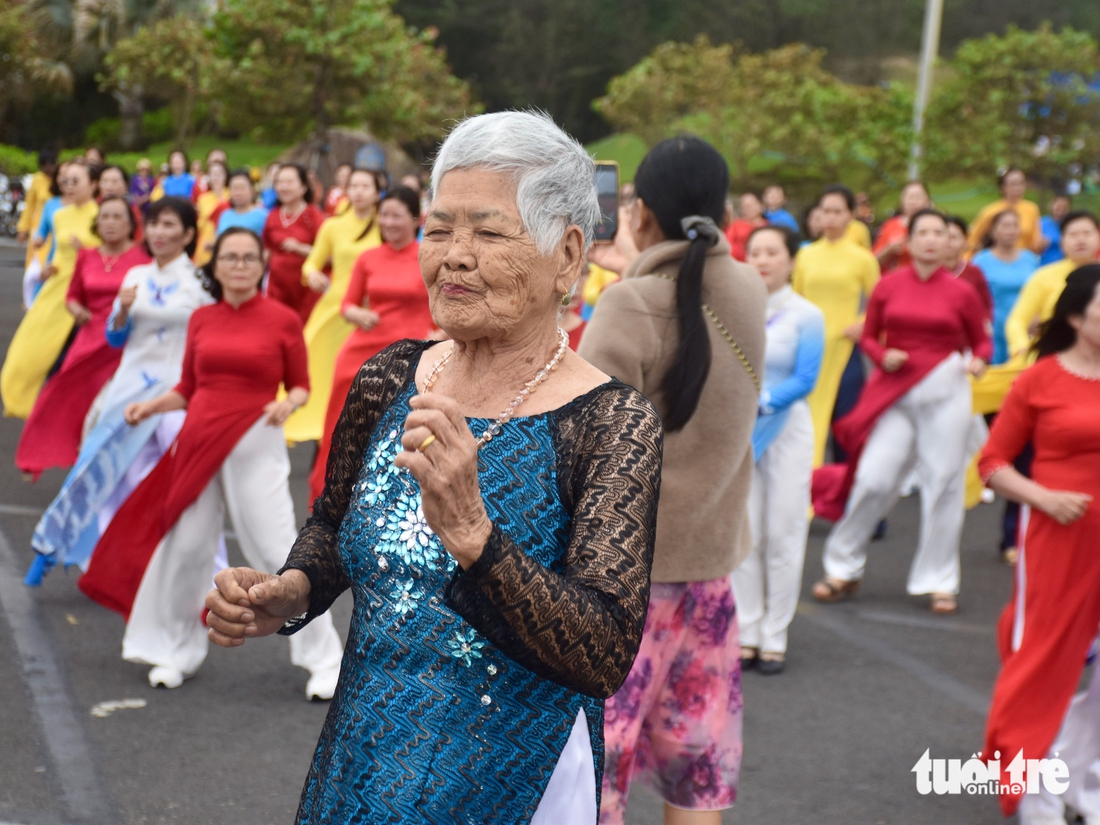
944, 603
834, 590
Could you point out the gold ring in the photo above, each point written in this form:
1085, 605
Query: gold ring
427, 442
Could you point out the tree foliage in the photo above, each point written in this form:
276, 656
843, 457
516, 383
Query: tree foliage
25, 67
299, 66
560, 54
1019, 99
172, 59
773, 114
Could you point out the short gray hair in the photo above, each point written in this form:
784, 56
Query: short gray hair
556, 178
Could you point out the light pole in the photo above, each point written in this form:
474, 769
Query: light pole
929, 48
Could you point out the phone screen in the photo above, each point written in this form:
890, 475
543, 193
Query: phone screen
607, 191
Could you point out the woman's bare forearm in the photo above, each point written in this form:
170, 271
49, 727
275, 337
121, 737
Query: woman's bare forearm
1015, 486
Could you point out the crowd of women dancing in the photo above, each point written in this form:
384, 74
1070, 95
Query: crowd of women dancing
181, 331
167, 417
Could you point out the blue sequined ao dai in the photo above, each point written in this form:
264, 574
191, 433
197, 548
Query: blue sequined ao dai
431, 722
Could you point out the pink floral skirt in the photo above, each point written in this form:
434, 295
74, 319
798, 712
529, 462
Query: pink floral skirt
676, 721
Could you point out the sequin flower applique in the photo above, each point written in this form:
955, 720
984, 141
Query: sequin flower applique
407, 533
384, 452
465, 647
375, 488
406, 597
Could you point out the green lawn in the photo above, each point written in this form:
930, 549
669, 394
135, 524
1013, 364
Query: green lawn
628, 150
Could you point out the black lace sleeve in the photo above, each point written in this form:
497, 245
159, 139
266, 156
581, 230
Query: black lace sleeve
315, 551
580, 627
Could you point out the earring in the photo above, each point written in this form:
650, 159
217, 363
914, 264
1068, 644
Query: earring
566, 299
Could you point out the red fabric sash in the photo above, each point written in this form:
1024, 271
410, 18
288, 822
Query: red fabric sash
124, 550
833, 482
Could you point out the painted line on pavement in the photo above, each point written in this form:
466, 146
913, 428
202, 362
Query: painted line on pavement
56, 714
936, 679
36, 512
19, 510
927, 622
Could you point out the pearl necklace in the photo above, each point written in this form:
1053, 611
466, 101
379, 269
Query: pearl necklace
528, 388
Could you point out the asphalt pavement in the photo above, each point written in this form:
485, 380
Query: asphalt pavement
869, 686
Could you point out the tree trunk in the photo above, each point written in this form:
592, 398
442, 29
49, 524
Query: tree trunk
183, 118
131, 106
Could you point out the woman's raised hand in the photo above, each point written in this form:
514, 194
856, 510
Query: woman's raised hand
977, 367
317, 281
136, 413
362, 317
246, 603
127, 296
81, 314
893, 359
446, 468
1063, 506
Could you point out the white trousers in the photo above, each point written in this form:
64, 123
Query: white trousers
1078, 745
165, 627
767, 583
570, 795
927, 429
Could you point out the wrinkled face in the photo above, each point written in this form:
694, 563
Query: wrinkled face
956, 242
1081, 241
750, 207
1014, 185
774, 198
113, 222
289, 186
485, 277
928, 240
240, 191
112, 184
240, 263
1006, 232
913, 199
834, 214
1088, 325
396, 222
768, 253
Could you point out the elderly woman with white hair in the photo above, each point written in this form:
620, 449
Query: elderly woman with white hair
491, 502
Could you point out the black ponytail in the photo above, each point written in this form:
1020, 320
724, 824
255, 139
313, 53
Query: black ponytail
683, 178
1057, 335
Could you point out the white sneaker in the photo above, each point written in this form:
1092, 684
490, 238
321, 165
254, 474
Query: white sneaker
322, 684
165, 677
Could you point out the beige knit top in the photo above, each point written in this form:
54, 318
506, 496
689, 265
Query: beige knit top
702, 519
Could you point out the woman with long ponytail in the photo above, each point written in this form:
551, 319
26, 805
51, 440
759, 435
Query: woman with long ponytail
685, 326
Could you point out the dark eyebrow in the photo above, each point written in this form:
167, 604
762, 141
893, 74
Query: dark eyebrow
439, 214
